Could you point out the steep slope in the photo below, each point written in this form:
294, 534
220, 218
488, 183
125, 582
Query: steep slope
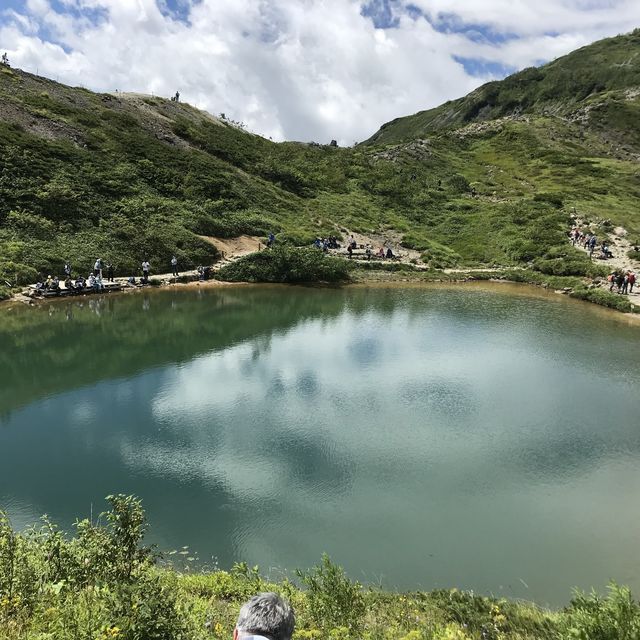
598, 84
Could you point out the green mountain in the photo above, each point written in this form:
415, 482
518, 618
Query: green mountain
490, 179
598, 86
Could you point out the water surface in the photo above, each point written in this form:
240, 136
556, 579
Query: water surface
423, 437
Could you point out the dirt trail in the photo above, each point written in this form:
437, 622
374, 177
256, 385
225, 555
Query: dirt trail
388, 239
233, 248
619, 245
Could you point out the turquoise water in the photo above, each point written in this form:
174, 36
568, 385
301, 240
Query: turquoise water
424, 438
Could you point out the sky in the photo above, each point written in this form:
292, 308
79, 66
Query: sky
308, 70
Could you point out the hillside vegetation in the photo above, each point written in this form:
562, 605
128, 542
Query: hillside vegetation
104, 583
488, 180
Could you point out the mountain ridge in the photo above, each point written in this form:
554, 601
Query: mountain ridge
555, 88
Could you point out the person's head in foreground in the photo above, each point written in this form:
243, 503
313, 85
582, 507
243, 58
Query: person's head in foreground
265, 616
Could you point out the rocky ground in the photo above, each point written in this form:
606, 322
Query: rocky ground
620, 246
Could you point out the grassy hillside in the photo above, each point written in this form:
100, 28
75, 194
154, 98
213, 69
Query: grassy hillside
103, 583
84, 175
602, 77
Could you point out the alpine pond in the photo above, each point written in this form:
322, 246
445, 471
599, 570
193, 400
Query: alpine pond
428, 437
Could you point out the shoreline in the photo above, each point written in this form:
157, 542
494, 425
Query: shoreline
390, 279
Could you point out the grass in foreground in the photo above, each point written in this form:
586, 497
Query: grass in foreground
105, 583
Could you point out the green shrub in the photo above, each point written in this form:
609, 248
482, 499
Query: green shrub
593, 617
569, 266
375, 265
16, 274
286, 264
604, 298
554, 199
633, 254
31, 223
333, 599
18, 573
459, 184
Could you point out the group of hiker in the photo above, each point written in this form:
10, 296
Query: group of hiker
623, 281
325, 244
589, 242
81, 284
100, 274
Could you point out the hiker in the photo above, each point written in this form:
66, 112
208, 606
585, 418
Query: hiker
611, 279
390, 254
350, 251
55, 285
620, 281
632, 281
368, 252
625, 284
109, 272
80, 283
48, 283
605, 251
97, 267
381, 253
200, 271
174, 266
67, 269
68, 284
146, 267
266, 616
271, 239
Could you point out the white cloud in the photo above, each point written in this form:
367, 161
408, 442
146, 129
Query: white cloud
297, 69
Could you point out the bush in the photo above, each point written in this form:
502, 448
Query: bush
286, 264
99, 584
554, 199
12, 273
569, 266
333, 599
614, 617
603, 298
459, 184
31, 223
18, 573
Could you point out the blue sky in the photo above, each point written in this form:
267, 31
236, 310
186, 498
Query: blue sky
312, 70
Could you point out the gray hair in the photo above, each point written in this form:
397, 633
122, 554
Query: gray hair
266, 614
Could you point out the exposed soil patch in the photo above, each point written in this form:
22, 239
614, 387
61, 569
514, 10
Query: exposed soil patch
232, 248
